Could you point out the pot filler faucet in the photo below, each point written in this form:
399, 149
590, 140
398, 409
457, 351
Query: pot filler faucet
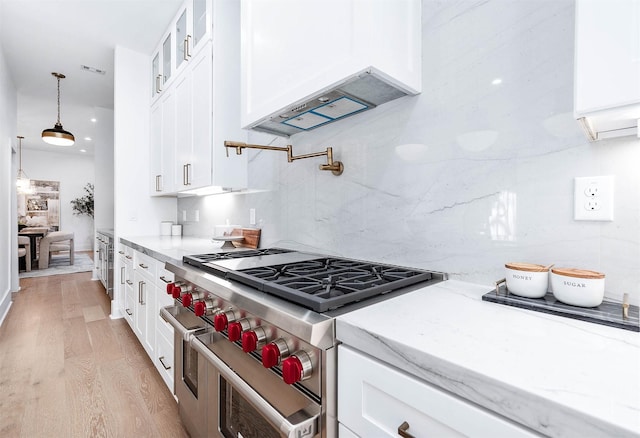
336, 167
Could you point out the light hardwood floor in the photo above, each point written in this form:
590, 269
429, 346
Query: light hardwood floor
68, 370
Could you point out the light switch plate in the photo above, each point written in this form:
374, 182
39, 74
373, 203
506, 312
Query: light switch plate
593, 198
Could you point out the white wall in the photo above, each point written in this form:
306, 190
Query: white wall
8, 169
453, 203
136, 213
103, 169
74, 172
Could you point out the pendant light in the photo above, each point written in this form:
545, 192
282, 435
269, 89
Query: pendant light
23, 183
57, 135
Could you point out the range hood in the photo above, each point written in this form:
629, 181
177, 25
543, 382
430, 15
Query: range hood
361, 92
306, 64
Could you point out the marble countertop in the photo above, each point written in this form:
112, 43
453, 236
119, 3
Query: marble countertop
106, 231
171, 248
558, 376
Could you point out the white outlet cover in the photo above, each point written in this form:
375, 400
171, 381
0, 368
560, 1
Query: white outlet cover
593, 198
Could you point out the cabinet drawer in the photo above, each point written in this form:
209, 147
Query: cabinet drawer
163, 276
164, 361
130, 306
144, 263
164, 328
375, 399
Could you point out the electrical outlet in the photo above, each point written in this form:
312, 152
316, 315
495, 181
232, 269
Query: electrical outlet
593, 198
252, 216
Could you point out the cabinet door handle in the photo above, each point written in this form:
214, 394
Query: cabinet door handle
122, 275
129, 312
187, 48
161, 359
402, 430
188, 174
184, 174
164, 279
158, 81
140, 286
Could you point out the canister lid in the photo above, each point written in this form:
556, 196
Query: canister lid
528, 267
577, 273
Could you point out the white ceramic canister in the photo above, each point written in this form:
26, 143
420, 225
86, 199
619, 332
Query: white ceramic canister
527, 279
165, 228
577, 287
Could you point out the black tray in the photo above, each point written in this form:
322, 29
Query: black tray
608, 313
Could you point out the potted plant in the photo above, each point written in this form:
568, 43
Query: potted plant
84, 204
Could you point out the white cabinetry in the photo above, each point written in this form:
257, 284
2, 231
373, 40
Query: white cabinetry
607, 67
199, 107
125, 283
375, 399
144, 291
296, 50
163, 141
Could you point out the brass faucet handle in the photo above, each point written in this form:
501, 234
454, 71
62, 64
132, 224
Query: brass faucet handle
238, 145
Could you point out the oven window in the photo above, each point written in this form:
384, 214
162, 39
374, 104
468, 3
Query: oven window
190, 367
239, 419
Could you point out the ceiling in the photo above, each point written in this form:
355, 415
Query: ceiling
43, 36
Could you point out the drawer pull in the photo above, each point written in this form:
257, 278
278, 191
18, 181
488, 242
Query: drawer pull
402, 430
129, 282
143, 266
164, 279
161, 359
128, 257
121, 252
129, 312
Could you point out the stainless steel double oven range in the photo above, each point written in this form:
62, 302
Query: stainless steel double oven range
255, 337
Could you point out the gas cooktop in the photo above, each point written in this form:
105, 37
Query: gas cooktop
317, 282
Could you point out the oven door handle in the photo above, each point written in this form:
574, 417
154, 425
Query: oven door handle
186, 334
307, 425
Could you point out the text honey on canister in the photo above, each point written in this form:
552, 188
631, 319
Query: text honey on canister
578, 287
527, 279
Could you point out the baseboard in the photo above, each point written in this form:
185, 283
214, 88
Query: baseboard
5, 305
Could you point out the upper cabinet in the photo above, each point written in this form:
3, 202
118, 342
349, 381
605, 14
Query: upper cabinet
187, 35
199, 107
306, 63
607, 67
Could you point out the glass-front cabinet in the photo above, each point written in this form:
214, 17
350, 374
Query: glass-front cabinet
186, 36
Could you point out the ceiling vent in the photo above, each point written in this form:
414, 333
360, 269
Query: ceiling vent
93, 69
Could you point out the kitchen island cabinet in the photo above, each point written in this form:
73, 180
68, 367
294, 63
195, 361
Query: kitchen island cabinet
555, 376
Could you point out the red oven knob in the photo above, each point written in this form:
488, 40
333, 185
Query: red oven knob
175, 292
220, 322
200, 308
189, 298
170, 287
205, 307
234, 331
253, 339
297, 367
273, 352
236, 328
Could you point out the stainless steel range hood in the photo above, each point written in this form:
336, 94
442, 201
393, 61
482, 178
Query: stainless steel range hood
358, 93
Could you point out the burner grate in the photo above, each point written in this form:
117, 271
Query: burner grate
328, 283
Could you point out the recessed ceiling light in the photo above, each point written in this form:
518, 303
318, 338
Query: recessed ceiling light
496, 81
83, 150
93, 119
88, 138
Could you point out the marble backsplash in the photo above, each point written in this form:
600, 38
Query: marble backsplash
464, 177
